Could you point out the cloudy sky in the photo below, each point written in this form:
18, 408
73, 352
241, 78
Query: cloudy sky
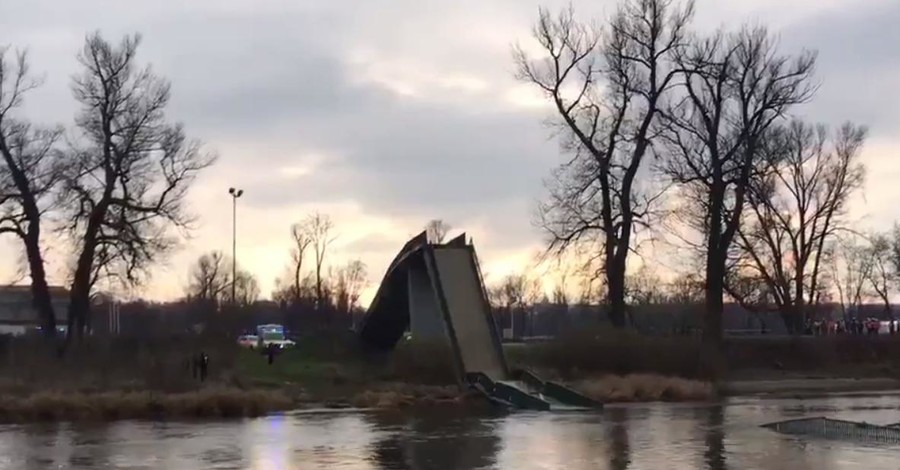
386, 113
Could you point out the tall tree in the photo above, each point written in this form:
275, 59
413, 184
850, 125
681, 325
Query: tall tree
894, 253
210, 279
607, 91
349, 281
795, 206
559, 295
517, 291
882, 276
644, 287
130, 172
734, 88
246, 288
685, 290
850, 263
301, 241
28, 173
318, 229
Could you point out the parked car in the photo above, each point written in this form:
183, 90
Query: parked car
279, 343
248, 341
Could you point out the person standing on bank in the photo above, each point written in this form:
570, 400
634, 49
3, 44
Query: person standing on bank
204, 366
270, 353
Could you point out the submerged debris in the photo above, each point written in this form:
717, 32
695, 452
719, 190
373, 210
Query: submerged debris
828, 428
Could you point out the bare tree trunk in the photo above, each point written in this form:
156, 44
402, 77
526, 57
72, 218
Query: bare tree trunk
80, 294
320, 297
616, 299
615, 283
298, 270
715, 271
40, 290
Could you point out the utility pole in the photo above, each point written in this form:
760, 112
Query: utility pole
235, 194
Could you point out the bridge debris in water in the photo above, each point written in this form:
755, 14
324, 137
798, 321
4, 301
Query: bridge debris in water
828, 428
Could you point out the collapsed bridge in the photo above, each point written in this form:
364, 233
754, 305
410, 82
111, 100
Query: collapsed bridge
436, 292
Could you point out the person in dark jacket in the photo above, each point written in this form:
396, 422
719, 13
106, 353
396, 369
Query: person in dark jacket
270, 353
204, 366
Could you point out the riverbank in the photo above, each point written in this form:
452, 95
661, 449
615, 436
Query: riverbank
102, 379
808, 387
221, 401
745, 365
212, 402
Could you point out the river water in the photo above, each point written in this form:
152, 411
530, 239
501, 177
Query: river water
651, 436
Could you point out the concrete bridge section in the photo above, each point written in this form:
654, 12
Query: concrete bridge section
436, 292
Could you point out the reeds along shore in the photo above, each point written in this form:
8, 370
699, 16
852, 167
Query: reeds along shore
212, 402
587, 354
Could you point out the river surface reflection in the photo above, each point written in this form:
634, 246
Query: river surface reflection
653, 436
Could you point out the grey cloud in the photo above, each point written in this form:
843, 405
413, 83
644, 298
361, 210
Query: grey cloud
420, 159
276, 83
858, 65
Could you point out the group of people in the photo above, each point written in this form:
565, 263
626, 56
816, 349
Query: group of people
854, 326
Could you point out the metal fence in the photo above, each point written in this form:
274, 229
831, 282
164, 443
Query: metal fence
828, 428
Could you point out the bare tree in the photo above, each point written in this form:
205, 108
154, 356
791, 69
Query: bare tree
286, 292
560, 296
517, 294
302, 241
210, 280
28, 173
882, 276
607, 91
644, 287
318, 228
734, 89
437, 230
685, 290
850, 260
577, 275
246, 288
795, 206
894, 254
349, 282
517, 291
129, 174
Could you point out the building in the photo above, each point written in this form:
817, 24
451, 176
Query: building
17, 315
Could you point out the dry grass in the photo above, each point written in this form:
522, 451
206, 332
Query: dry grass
399, 395
422, 362
600, 352
215, 402
102, 379
842, 355
99, 364
604, 352
643, 388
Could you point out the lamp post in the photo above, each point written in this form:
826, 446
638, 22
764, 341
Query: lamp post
235, 194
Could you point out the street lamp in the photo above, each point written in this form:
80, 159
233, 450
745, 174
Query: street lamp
235, 194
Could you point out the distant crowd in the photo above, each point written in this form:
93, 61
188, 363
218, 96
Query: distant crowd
855, 326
